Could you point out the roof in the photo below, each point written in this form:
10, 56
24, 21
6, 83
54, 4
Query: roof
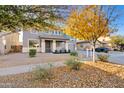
53, 37
103, 42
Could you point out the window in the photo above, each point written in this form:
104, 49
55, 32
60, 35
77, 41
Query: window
33, 44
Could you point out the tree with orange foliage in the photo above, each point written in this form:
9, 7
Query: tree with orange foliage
90, 23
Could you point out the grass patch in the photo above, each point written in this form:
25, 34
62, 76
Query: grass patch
103, 58
73, 54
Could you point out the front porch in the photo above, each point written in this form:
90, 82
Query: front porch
48, 46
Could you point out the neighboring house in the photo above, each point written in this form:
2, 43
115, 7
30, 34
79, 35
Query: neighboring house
7, 41
103, 42
83, 45
49, 41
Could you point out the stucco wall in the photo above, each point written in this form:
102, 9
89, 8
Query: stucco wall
11, 39
6, 41
35, 36
29, 36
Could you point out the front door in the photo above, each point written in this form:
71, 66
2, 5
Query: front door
48, 46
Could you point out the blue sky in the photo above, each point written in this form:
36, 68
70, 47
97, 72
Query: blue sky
121, 20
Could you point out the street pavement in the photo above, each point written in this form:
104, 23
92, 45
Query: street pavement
114, 56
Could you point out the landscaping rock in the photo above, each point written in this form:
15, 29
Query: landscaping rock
91, 75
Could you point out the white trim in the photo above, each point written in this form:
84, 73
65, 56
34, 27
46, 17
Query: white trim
54, 45
43, 46
67, 45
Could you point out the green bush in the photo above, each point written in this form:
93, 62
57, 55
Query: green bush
74, 54
69, 51
103, 58
42, 74
73, 64
32, 52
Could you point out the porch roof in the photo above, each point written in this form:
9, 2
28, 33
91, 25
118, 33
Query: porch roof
53, 37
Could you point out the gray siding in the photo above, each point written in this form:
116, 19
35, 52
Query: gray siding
28, 35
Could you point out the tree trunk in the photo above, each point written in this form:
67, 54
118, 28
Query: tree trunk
94, 57
93, 54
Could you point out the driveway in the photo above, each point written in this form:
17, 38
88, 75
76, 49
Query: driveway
19, 59
27, 68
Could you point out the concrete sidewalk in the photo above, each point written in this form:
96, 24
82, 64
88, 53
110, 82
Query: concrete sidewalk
26, 68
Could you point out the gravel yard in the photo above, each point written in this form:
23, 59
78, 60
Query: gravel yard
91, 75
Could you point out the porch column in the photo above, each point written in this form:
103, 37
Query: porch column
54, 45
75, 47
43, 46
66, 46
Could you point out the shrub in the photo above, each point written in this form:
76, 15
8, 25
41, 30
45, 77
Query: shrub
55, 51
42, 74
103, 58
69, 51
74, 54
65, 51
73, 64
32, 52
60, 51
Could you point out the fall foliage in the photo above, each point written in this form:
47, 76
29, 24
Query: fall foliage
90, 23
86, 24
